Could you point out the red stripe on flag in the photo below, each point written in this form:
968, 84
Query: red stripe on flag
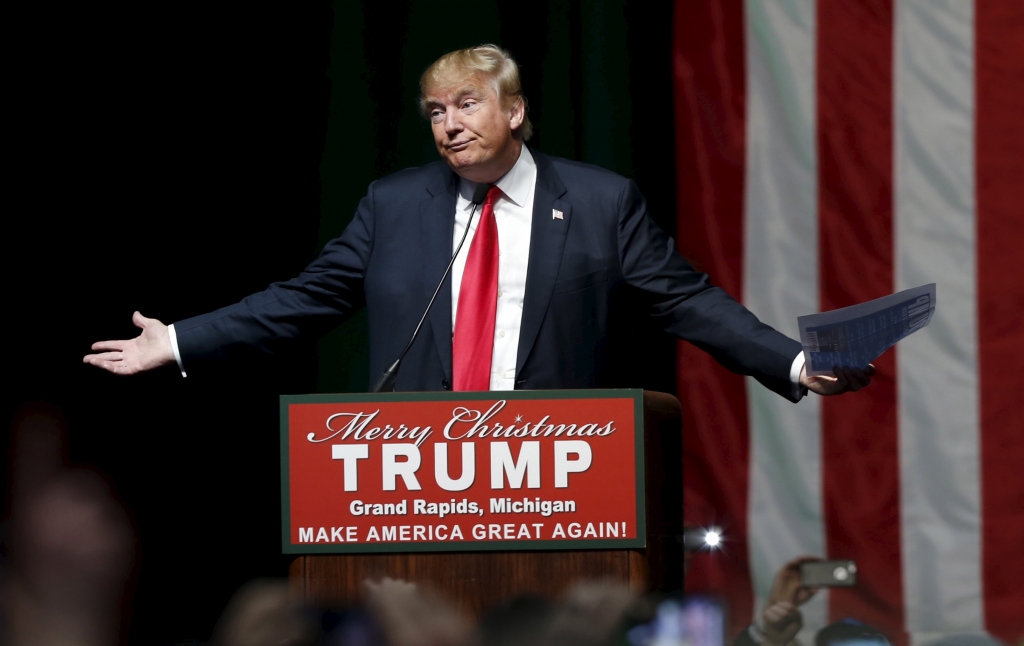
999, 156
710, 99
860, 460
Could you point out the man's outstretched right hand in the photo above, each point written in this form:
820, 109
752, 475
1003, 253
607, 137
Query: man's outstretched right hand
149, 350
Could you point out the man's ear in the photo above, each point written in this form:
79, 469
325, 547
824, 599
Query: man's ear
517, 113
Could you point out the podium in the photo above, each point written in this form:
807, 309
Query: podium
478, 580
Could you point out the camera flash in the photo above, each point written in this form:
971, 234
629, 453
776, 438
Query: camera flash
712, 538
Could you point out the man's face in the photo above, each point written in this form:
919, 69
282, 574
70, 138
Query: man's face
473, 131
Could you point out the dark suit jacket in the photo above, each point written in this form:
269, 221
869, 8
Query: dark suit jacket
591, 274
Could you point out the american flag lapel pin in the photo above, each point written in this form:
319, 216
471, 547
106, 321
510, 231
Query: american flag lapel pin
556, 214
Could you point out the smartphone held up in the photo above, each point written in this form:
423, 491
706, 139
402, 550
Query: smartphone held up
829, 574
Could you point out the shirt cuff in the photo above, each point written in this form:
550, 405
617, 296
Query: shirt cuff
794, 375
177, 355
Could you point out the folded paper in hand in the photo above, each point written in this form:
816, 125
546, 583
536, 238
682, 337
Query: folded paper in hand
855, 336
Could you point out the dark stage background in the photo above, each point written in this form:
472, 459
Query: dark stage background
182, 156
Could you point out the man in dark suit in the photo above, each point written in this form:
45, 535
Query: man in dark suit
562, 258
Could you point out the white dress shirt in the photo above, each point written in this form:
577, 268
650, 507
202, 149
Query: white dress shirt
513, 213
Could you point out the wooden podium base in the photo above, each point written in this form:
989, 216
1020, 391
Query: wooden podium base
477, 581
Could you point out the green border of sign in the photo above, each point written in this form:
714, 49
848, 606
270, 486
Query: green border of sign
466, 546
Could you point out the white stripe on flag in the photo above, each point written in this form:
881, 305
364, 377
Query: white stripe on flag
938, 380
780, 281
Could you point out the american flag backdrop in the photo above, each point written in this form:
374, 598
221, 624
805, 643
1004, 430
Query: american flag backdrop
831, 152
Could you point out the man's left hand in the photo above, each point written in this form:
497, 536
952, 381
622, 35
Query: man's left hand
846, 379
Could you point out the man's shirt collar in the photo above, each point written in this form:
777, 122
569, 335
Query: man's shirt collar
516, 184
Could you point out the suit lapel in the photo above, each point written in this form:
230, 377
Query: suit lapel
437, 226
547, 239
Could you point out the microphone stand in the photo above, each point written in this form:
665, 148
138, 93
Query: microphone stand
386, 383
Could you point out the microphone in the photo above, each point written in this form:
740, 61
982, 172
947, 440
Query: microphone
386, 383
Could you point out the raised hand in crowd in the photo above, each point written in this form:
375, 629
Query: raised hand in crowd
151, 349
410, 615
780, 621
265, 612
787, 586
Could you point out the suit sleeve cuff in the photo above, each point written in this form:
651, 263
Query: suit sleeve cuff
794, 376
177, 354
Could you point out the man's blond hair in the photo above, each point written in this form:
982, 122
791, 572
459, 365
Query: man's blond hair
489, 61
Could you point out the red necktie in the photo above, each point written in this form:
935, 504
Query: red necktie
473, 342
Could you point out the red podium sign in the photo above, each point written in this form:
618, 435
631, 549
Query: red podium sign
427, 472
